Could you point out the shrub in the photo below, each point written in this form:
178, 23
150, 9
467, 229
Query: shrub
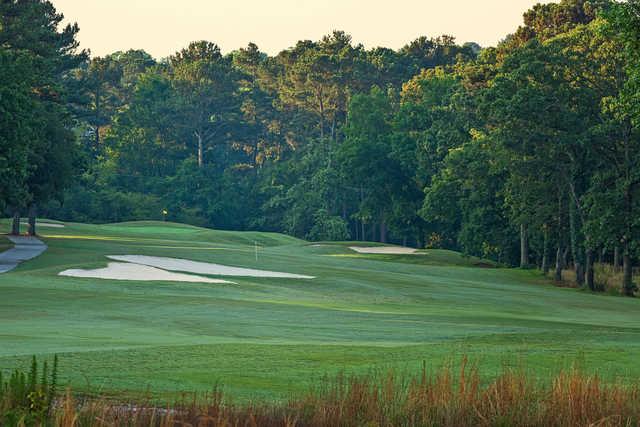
27, 398
328, 227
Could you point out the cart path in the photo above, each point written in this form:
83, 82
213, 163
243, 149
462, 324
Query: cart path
26, 248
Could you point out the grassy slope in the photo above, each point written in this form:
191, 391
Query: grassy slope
270, 337
5, 243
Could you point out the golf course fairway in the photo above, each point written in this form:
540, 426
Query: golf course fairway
268, 338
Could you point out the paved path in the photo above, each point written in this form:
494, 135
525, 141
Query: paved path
25, 249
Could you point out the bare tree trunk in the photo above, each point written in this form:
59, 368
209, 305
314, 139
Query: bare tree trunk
321, 116
383, 230
616, 258
545, 252
575, 253
559, 260
589, 269
15, 223
420, 241
361, 220
363, 231
524, 246
627, 273
404, 241
333, 128
200, 150
559, 265
579, 273
33, 211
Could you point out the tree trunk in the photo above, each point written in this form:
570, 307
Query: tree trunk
333, 129
33, 211
15, 224
383, 230
616, 258
96, 141
404, 241
524, 247
558, 275
559, 259
545, 253
579, 274
321, 116
575, 253
200, 150
627, 274
589, 269
362, 236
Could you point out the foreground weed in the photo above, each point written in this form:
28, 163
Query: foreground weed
446, 397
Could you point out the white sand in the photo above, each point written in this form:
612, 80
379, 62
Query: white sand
176, 264
126, 271
387, 250
45, 224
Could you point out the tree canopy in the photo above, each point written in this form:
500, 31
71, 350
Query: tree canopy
526, 153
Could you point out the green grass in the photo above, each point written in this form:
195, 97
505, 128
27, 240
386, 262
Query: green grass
268, 338
5, 243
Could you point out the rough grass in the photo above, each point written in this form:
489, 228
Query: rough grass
443, 398
266, 339
606, 278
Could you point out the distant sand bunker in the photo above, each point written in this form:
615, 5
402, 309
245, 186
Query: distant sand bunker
386, 250
176, 264
45, 224
126, 271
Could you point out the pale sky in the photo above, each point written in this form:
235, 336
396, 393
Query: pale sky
162, 27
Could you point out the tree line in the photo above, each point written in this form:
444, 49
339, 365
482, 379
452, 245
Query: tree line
526, 153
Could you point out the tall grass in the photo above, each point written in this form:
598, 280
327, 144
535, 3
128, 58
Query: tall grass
607, 278
26, 398
442, 398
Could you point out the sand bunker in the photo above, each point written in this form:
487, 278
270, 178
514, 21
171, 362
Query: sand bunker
45, 224
176, 264
126, 271
386, 250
